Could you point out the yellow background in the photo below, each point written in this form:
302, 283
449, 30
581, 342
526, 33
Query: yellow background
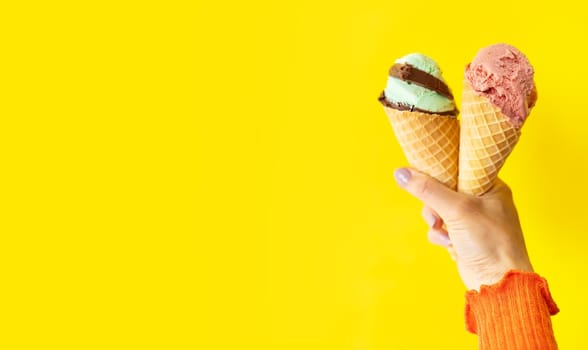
190, 175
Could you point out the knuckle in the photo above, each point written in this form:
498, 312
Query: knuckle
507, 190
504, 188
501, 189
426, 188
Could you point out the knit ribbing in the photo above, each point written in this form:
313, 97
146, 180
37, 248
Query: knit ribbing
513, 313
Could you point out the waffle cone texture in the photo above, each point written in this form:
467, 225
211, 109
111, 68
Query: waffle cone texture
430, 143
487, 138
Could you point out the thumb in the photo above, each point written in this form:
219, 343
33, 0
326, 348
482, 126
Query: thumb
430, 191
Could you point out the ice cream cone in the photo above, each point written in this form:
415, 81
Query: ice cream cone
430, 142
487, 139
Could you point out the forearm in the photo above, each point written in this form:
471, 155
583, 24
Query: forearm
512, 314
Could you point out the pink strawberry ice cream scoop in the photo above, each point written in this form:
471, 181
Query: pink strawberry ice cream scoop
504, 75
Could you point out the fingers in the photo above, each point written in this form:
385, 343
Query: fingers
439, 237
437, 234
431, 218
438, 200
430, 191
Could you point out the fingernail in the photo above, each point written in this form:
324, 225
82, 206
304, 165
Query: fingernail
445, 239
431, 220
402, 176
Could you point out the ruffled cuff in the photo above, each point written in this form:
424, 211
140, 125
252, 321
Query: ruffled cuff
517, 309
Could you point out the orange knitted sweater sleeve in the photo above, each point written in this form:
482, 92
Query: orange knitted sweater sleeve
512, 314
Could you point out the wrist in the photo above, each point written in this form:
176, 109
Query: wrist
491, 274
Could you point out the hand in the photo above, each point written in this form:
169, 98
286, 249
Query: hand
483, 232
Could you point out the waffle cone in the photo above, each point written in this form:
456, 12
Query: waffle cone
430, 142
487, 139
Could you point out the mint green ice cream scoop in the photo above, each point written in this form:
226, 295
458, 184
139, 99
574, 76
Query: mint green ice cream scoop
415, 83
